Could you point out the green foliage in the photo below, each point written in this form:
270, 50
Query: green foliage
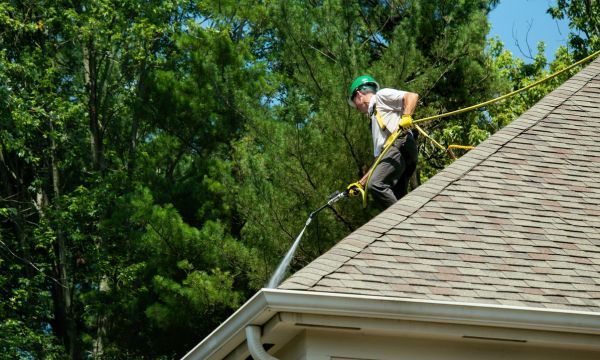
584, 22
96, 98
20, 341
517, 74
175, 274
24, 312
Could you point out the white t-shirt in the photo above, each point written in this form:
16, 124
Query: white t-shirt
389, 104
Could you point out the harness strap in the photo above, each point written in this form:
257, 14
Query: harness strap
379, 120
381, 124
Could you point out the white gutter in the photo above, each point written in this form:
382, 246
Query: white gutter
267, 302
254, 345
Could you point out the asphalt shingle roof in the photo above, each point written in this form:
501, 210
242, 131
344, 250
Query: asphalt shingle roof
515, 221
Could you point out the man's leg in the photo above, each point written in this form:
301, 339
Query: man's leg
410, 154
385, 176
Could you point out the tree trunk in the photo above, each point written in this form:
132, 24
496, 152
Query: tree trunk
91, 85
4, 173
64, 294
102, 324
142, 97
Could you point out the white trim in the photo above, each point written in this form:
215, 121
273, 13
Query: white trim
267, 302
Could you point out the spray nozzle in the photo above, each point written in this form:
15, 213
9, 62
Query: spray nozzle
335, 197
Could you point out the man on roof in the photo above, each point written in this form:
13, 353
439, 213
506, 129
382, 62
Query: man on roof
389, 110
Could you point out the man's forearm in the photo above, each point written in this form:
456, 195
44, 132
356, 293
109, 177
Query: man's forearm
363, 180
410, 103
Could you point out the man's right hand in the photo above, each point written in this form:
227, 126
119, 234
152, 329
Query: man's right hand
355, 189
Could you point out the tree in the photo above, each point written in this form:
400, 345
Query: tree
583, 40
584, 22
517, 74
82, 128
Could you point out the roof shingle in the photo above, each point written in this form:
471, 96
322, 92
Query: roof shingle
513, 222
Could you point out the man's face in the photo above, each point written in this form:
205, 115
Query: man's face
361, 100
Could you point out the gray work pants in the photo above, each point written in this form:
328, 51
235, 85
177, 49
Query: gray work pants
389, 181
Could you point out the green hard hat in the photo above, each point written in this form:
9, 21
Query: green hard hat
360, 83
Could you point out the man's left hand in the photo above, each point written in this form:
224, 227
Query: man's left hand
406, 121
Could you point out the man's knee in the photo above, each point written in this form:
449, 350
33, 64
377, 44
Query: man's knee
382, 194
377, 186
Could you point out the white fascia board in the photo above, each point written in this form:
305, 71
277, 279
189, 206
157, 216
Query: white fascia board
267, 302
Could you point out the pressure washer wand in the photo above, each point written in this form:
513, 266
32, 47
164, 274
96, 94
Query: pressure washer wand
281, 270
333, 198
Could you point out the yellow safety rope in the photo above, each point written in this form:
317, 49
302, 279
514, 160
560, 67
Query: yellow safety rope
480, 105
395, 135
449, 148
429, 137
462, 147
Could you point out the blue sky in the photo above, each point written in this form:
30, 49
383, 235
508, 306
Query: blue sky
511, 19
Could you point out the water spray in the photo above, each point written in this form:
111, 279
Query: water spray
279, 273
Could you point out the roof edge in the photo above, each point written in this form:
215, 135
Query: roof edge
231, 327
267, 302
